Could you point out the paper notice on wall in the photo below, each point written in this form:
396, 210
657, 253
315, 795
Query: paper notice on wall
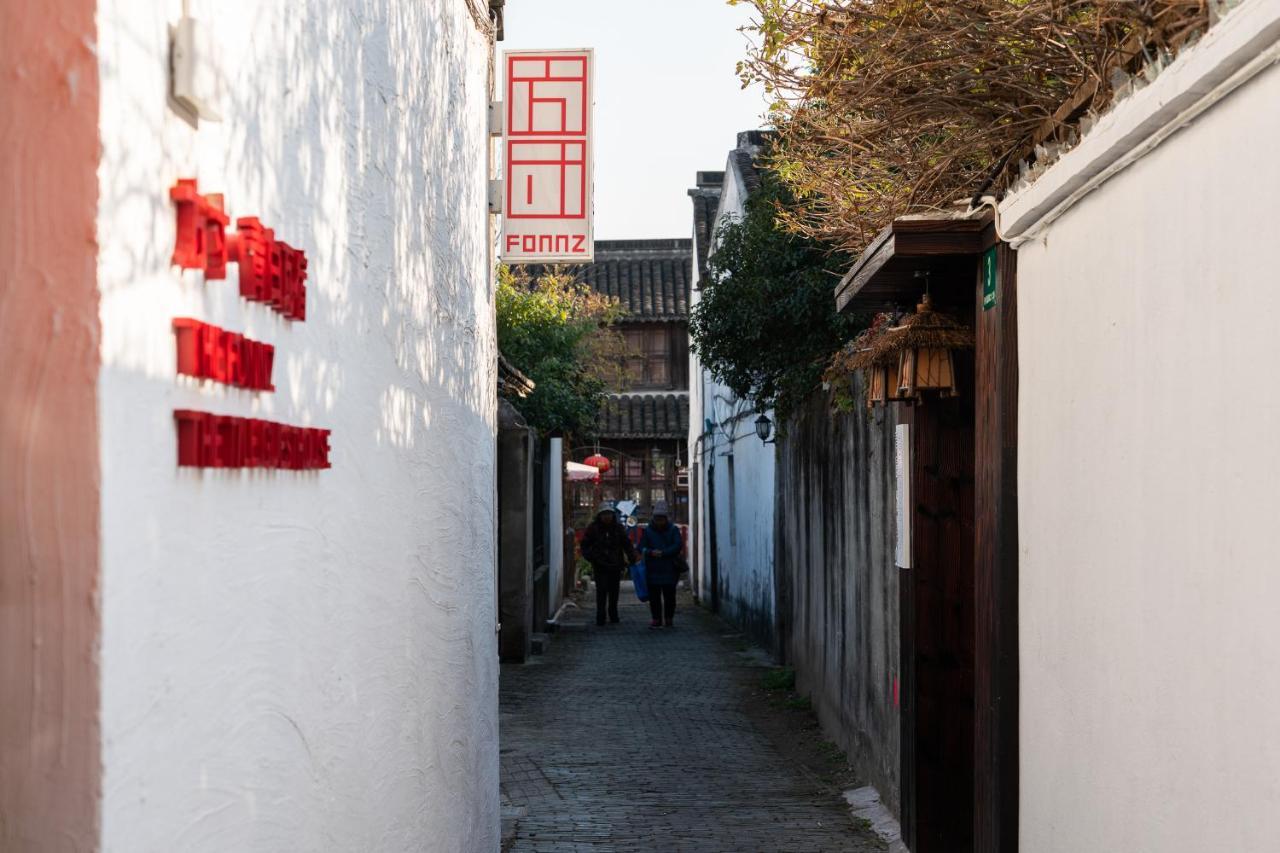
902, 465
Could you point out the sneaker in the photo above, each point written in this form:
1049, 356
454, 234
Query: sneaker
669, 625
654, 624
614, 619
599, 621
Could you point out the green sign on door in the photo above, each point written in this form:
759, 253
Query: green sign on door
989, 279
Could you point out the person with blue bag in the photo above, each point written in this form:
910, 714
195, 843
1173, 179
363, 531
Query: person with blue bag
640, 581
660, 548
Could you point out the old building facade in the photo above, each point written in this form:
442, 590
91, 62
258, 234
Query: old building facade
643, 426
732, 469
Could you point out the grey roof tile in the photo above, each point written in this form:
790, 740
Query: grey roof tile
644, 416
650, 278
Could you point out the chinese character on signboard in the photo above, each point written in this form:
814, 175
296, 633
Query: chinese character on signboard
547, 183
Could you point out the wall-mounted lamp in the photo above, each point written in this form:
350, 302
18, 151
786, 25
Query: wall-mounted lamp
764, 428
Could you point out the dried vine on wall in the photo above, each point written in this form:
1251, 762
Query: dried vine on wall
887, 107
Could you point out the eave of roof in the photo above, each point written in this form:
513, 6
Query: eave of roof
658, 416
887, 273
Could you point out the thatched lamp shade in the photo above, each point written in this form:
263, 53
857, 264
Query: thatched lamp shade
923, 348
879, 366
882, 383
927, 369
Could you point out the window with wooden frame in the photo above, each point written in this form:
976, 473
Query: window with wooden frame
648, 357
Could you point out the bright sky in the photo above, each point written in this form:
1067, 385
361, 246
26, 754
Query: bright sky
668, 100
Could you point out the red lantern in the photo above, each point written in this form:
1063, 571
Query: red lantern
600, 463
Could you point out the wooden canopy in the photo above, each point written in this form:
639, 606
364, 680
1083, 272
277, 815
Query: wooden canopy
945, 247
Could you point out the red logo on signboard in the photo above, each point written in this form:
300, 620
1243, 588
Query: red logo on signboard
562, 165
547, 95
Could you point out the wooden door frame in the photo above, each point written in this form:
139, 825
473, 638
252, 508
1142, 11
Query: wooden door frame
882, 276
996, 729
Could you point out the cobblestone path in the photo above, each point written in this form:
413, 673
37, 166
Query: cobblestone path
625, 739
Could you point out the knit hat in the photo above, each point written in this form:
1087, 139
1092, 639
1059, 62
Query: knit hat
661, 508
605, 507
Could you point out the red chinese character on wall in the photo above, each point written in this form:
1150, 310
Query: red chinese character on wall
200, 242
271, 271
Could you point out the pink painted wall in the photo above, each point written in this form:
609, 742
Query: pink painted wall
49, 471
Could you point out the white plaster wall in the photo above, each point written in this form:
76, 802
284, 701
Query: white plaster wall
745, 560
745, 525
1148, 463
304, 661
700, 455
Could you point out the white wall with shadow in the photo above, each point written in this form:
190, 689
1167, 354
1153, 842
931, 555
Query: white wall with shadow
303, 660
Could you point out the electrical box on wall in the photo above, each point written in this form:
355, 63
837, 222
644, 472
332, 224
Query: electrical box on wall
194, 80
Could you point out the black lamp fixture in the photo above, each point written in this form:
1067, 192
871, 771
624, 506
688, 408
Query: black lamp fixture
764, 428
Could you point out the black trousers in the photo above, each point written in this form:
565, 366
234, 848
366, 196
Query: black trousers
607, 581
662, 601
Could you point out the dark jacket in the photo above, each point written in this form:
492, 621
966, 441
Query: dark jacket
607, 547
661, 570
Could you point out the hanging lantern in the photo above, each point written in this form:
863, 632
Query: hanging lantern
600, 463
924, 346
879, 364
883, 382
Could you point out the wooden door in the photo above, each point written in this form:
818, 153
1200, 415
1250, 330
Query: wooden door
938, 626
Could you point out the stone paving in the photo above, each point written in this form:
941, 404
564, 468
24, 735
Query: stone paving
620, 738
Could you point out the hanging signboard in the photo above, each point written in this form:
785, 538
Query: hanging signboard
547, 164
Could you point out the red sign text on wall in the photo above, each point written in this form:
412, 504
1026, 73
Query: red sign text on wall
207, 352
223, 441
271, 272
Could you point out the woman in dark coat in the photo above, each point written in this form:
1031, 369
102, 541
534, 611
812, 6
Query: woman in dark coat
607, 548
660, 546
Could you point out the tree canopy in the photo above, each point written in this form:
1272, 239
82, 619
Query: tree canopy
766, 325
558, 333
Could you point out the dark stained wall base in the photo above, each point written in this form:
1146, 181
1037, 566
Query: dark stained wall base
837, 587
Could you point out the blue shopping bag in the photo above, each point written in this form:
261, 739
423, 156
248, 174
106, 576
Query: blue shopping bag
638, 578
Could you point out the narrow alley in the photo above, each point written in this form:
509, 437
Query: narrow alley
620, 738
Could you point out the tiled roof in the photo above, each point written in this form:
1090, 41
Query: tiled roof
706, 201
644, 416
744, 163
650, 278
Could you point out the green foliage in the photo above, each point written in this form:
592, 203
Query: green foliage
557, 332
766, 325
779, 678
798, 703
